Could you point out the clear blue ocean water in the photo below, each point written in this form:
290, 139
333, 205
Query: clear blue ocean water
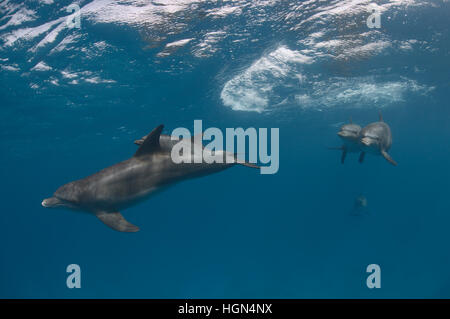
73, 100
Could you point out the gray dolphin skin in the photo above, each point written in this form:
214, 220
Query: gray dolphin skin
127, 183
349, 133
376, 138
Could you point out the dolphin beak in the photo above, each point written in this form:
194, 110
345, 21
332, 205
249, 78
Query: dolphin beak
50, 202
365, 141
45, 203
344, 134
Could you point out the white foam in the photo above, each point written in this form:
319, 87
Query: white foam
50, 37
64, 43
28, 34
179, 43
41, 66
133, 12
55, 82
251, 89
68, 75
224, 11
86, 76
98, 80
208, 46
358, 92
369, 49
11, 68
18, 18
281, 79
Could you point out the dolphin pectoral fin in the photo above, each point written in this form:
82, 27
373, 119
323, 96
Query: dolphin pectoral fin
388, 158
117, 222
361, 157
151, 142
344, 154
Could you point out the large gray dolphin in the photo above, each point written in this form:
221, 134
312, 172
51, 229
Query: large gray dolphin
349, 133
122, 185
376, 138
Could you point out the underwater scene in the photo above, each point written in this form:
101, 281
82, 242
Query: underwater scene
225, 149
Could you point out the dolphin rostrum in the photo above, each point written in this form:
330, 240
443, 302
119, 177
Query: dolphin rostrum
122, 185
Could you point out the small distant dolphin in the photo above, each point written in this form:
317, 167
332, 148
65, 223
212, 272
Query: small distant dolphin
376, 138
361, 201
124, 184
349, 133
360, 206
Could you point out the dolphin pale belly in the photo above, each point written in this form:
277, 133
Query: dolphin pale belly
122, 185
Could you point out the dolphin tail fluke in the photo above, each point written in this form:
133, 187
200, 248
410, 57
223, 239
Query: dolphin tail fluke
117, 222
388, 158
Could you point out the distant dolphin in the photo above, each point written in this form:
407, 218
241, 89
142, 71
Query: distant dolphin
349, 134
120, 186
360, 206
376, 138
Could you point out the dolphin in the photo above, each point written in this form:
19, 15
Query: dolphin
349, 133
127, 183
376, 138
360, 206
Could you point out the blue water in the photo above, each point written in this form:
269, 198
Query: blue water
235, 234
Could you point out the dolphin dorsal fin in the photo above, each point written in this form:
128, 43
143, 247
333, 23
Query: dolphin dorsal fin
151, 142
381, 116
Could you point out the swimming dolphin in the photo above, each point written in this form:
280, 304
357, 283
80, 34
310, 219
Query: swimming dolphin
361, 201
376, 138
122, 185
360, 206
349, 133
